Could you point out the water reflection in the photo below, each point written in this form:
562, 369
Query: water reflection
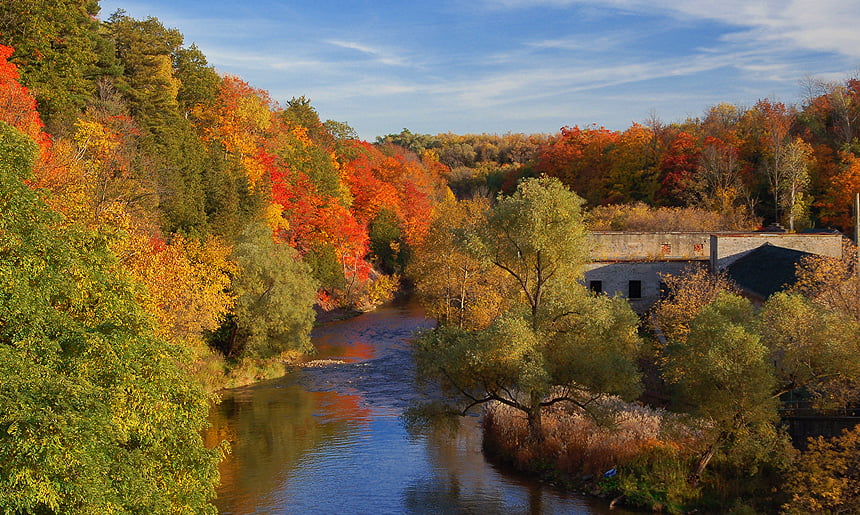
270, 429
330, 440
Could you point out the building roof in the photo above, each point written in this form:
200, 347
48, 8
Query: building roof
766, 270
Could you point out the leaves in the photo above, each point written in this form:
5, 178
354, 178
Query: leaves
17, 105
551, 335
813, 347
825, 478
456, 287
274, 296
688, 293
91, 400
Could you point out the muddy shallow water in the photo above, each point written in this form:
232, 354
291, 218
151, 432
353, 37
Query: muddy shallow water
329, 438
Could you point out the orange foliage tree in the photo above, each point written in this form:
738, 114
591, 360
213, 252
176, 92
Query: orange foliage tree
406, 187
677, 169
839, 194
17, 104
580, 158
240, 120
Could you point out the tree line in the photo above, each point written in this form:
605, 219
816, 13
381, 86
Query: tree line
165, 231
753, 165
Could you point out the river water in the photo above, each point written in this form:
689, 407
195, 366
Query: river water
330, 439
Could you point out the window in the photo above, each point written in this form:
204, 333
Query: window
595, 286
698, 249
634, 290
664, 290
665, 249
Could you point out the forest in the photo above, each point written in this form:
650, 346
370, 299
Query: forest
167, 231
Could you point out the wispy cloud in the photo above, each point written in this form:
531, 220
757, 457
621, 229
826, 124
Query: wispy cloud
821, 25
384, 56
262, 61
518, 64
531, 84
591, 43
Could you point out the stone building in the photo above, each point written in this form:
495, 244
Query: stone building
631, 263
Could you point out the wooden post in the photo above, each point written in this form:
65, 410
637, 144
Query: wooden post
857, 219
857, 234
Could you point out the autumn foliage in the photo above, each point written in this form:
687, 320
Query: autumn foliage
226, 215
176, 174
826, 478
17, 104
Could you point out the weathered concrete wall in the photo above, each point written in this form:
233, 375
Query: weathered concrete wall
643, 246
615, 278
621, 257
725, 249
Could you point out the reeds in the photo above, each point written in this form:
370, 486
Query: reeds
577, 443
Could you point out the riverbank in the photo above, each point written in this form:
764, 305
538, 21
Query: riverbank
253, 370
333, 315
583, 455
330, 439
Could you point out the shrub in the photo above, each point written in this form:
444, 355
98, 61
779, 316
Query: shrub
826, 478
629, 437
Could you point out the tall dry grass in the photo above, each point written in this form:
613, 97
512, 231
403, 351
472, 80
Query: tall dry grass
578, 444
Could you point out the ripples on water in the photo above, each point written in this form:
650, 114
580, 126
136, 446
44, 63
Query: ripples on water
330, 440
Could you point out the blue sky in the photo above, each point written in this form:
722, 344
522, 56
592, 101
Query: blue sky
471, 66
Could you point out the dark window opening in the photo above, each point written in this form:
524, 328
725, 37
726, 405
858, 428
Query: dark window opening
664, 290
595, 286
634, 289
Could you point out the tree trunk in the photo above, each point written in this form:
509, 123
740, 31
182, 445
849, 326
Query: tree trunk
534, 419
704, 459
234, 333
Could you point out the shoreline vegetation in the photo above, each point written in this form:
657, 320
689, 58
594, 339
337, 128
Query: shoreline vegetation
257, 370
608, 457
640, 458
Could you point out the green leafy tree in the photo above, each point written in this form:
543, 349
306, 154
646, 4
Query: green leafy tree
96, 413
153, 61
556, 342
724, 375
230, 202
146, 50
416, 143
179, 158
340, 131
386, 242
274, 297
814, 348
198, 80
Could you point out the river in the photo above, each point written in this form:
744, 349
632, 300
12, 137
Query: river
330, 439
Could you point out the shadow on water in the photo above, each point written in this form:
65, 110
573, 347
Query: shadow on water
329, 439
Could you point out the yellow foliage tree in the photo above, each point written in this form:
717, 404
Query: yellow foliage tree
826, 478
833, 283
455, 287
187, 284
689, 293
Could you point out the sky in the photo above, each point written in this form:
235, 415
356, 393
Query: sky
497, 66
